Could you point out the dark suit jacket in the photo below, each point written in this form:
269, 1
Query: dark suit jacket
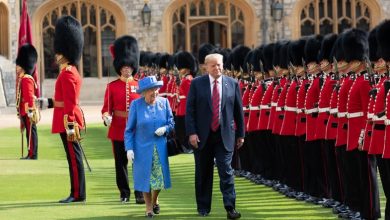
199, 111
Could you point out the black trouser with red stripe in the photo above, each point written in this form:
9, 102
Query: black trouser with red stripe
384, 171
122, 179
369, 187
334, 186
32, 144
76, 167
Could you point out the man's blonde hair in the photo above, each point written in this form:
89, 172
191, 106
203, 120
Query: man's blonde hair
213, 56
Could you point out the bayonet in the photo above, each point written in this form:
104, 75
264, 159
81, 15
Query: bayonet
304, 67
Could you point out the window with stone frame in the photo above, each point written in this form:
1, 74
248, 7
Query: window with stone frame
193, 27
4, 38
334, 16
99, 28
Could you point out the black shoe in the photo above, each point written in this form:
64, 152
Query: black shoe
125, 200
203, 213
233, 214
139, 200
25, 158
149, 215
72, 199
156, 209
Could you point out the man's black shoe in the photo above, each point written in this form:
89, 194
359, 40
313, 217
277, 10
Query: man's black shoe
233, 214
125, 200
203, 213
72, 199
139, 200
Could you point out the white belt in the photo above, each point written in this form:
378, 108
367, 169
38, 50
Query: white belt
245, 108
253, 108
290, 109
274, 104
182, 97
278, 109
300, 110
355, 114
163, 94
171, 94
320, 110
376, 118
370, 115
341, 114
387, 122
309, 111
333, 110
264, 107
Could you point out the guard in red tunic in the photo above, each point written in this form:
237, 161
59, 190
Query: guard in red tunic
67, 115
117, 99
187, 68
25, 98
164, 73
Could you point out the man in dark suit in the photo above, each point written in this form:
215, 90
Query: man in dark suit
215, 125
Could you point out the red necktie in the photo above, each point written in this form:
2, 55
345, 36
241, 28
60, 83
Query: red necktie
215, 102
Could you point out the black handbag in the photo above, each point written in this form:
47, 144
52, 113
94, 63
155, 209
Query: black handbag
173, 145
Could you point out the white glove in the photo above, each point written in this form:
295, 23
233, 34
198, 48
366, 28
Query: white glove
130, 156
43, 103
361, 138
70, 132
160, 131
107, 120
30, 114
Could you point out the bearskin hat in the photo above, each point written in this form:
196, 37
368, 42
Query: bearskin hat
337, 49
268, 54
27, 58
296, 51
312, 48
238, 53
326, 47
355, 45
144, 58
163, 60
276, 54
171, 61
382, 37
248, 61
126, 53
257, 57
69, 39
204, 50
185, 60
373, 45
283, 54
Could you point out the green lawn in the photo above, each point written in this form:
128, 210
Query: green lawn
31, 189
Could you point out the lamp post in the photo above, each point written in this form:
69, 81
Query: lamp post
277, 14
146, 14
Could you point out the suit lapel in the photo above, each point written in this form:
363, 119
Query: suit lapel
224, 91
208, 91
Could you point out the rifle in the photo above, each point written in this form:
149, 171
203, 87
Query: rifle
177, 75
262, 69
304, 68
371, 74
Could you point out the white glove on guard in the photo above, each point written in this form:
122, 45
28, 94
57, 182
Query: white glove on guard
107, 120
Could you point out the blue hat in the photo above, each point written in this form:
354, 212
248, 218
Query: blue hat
148, 83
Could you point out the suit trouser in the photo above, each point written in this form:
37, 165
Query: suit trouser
33, 143
332, 170
384, 171
76, 167
204, 172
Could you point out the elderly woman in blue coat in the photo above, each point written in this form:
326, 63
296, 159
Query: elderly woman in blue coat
150, 120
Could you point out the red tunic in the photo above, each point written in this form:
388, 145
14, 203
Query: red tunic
386, 149
265, 107
279, 111
332, 125
183, 92
301, 116
341, 138
324, 107
357, 103
163, 89
377, 139
290, 110
274, 103
115, 100
311, 108
254, 108
27, 93
245, 103
67, 91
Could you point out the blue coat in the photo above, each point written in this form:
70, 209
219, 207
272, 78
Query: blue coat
143, 121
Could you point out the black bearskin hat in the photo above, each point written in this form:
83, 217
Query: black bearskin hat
373, 45
163, 60
144, 58
276, 54
326, 47
126, 53
312, 48
337, 49
204, 50
355, 45
257, 57
296, 51
382, 37
283, 54
248, 61
69, 39
268, 54
185, 60
27, 58
238, 54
